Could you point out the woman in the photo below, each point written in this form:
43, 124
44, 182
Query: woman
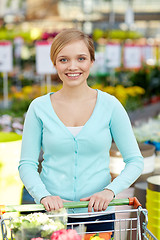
75, 127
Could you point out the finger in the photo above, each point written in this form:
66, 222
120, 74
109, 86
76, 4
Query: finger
105, 206
90, 205
50, 205
101, 206
96, 206
46, 206
60, 203
55, 206
56, 203
44, 202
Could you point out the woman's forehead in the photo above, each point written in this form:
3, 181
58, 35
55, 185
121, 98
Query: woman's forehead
75, 47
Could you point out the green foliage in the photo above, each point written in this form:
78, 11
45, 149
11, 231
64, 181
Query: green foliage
98, 33
9, 111
154, 81
122, 35
141, 78
12, 33
133, 103
115, 34
147, 78
103, 78
20, 106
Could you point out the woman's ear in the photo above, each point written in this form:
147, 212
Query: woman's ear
92, 62
54, 64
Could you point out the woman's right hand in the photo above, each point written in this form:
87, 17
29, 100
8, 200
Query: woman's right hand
52, 203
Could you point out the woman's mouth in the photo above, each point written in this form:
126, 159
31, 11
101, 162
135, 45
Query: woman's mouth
73, 75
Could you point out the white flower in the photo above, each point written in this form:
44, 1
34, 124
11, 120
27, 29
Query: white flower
36, 220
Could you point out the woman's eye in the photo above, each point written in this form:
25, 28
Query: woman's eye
63, 60
81, 59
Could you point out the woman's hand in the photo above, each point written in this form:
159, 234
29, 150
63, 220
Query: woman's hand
99, 201
52, 203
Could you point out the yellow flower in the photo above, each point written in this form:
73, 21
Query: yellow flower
96, 238
27, 90
134, 91
18, 95
139, 90
98, 86
120, 94
109, 89
56, 88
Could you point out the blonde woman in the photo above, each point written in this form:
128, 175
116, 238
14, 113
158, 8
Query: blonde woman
75, 128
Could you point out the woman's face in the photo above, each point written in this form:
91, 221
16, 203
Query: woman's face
73, 63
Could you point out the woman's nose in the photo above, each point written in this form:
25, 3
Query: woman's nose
72, 65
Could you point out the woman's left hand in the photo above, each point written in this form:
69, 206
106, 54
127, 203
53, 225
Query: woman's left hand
99, 201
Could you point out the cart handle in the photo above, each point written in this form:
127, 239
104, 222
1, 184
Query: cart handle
82, 204
134, 202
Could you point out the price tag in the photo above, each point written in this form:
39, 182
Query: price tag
43, 61
6, 56
113, 55
132, 56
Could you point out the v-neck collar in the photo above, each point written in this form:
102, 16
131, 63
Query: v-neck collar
63, 125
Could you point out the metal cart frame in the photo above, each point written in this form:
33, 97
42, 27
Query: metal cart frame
126, 228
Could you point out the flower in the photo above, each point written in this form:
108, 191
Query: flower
96, 237
120, 92
36, 225
65, 234
39, 238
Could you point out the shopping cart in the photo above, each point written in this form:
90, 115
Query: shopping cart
128, 223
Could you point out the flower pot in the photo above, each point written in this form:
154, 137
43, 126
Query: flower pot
117, 164
153, 204
155, 99
10, 182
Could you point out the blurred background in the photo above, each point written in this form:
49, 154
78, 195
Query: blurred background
126, 35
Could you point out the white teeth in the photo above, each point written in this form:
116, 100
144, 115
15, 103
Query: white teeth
73, 75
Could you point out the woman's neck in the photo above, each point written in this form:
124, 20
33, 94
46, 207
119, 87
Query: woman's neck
77, 93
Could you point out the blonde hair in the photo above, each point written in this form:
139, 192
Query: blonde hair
67, 36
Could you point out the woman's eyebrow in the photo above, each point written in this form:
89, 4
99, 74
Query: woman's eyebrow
81, 54
62, 57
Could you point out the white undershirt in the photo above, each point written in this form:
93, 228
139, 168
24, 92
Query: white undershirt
75, 130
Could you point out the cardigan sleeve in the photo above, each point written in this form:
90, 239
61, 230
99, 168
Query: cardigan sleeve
125, 140
31, 146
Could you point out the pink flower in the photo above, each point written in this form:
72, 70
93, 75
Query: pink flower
39, 238
56, 235
72, 235
64, 234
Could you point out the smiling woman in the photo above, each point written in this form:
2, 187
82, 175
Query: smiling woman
73, 63
75, 127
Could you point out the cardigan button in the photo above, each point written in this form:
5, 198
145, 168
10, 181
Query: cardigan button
75, 151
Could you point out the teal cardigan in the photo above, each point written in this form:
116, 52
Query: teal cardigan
77, 167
